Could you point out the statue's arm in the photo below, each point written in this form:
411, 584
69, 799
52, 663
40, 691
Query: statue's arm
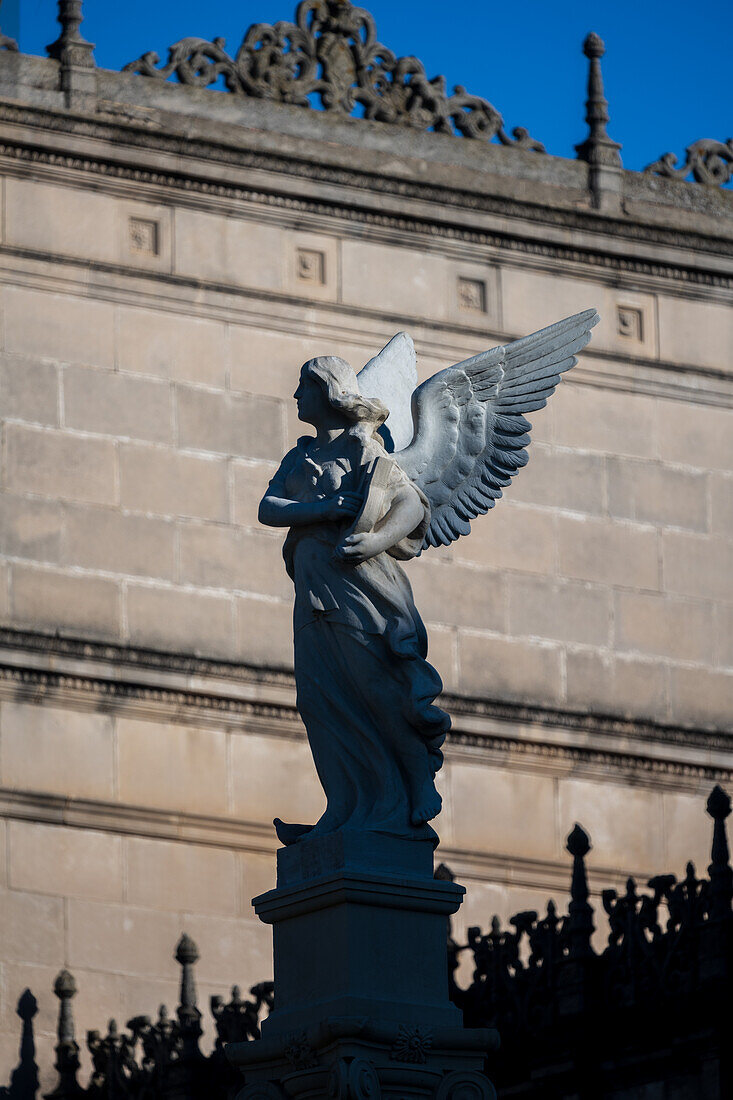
278, 511
404, 515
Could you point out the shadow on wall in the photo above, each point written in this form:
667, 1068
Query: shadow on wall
24, 1078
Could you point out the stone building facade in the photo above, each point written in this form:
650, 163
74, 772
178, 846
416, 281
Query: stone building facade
169, 257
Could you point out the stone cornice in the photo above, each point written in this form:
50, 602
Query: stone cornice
246, 836
359, 185
302, 161
66, 672
124, 657
282, 312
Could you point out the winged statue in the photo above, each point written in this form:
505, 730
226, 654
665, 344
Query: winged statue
394, 468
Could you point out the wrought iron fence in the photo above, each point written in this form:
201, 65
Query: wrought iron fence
564, 1010
652, 1007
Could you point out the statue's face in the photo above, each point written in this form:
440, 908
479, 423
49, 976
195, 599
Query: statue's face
313, 407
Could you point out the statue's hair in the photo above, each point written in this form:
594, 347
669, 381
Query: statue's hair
338, 380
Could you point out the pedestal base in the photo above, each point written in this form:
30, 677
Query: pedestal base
348, 1058
361, 979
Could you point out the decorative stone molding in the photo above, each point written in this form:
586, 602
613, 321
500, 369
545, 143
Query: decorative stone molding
52, 645
78, 78
598, 150
413, 1042
472, 295
353, 1079
7, 43
189, 181
465, 1085
143, 235
299, 1052
630, 323
239, 835
331, 51
544, 250
225, 701
311, 266
707, 161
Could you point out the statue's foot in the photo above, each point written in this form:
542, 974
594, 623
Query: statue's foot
322, 827
427, 806
289, 834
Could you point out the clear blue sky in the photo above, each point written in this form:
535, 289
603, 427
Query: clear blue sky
667, 69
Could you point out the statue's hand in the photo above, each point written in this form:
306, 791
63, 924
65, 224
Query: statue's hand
357, 548
341, 506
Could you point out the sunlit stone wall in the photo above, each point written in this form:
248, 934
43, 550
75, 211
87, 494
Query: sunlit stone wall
164, 273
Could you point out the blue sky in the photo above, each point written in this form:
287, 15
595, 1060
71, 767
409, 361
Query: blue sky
667, 69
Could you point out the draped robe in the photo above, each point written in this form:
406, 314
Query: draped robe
365, 689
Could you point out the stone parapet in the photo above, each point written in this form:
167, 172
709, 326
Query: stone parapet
157, 115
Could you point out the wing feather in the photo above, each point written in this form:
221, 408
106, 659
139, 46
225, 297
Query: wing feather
470, 435
391, 377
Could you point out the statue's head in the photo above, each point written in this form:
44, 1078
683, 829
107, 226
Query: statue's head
328, 390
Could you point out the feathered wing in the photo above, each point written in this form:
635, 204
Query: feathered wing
470, 434
391, 377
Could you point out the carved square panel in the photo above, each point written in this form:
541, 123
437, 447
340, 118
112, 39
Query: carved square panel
472, 295
630, 323
144, 237
311, 266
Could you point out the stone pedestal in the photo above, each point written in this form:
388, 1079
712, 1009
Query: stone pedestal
361, 979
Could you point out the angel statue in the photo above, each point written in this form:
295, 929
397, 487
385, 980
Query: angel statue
390, 473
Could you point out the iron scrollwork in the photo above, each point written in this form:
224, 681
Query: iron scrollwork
707, 161
562, 1003
331, 52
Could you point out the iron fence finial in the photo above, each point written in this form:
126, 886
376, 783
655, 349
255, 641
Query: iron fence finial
67, 1048
721, 874
580, 912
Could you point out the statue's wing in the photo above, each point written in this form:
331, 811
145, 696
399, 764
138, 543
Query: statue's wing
470, 433
391, 377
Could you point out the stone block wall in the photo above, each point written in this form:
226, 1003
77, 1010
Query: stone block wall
138, 437
150, 343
